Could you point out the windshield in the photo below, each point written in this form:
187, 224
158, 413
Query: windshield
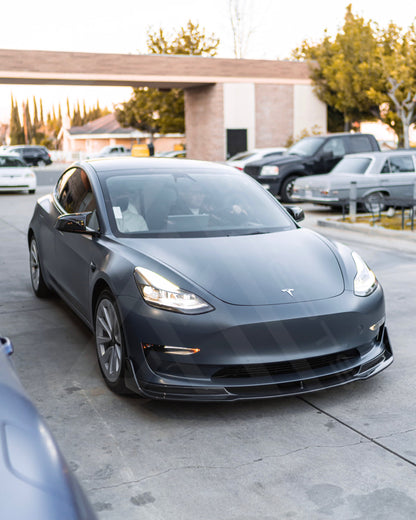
352, 165
196, 204
307, 146
242, 155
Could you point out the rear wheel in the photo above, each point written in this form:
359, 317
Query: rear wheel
109, 342
375, 202
36, 277
41, 163
286, 190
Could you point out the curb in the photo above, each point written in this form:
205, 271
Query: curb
373, 230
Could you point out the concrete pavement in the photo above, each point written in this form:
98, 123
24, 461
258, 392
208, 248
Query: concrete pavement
347, 453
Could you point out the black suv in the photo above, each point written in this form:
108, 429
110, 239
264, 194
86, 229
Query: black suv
32, 154
311, 155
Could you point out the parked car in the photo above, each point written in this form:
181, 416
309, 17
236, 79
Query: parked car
111, 150
178, 154
242, 158
194, 281
382, 179
35, 479
15, 175
33, 155
310, 156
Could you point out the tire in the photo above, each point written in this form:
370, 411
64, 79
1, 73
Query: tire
375, 202
36, 277
41, 163
109, 341
287, 188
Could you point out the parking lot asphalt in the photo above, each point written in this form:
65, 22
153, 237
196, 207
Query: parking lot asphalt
346, 453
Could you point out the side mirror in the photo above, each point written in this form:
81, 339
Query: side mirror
295, 212
6, 346
74, 223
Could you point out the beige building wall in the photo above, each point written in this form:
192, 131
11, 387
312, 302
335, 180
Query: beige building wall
204, 123
274, 114
309, 112
239, 109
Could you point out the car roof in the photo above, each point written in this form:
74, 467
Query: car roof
143, 164
382, 154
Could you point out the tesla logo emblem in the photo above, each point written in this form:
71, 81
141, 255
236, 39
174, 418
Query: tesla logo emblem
289, 291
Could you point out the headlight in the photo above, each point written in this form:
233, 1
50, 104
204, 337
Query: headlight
160, 292
30, 175
269, 171
365, 281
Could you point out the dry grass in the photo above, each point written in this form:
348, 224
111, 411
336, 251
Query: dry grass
399, 221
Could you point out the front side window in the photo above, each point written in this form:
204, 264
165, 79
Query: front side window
74, 192
401, 163
194, 204
335, 147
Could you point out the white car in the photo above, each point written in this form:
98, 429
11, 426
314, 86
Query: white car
242, 158
15, 174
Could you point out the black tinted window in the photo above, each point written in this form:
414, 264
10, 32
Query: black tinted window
360, 143
74, 192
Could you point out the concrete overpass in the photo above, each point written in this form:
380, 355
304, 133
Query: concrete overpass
228, 102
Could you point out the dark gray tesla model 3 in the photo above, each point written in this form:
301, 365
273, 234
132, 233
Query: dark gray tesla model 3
199, 285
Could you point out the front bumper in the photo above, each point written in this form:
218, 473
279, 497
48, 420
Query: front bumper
309, 348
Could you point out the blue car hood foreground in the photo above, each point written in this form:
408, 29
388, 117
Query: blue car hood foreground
253, 269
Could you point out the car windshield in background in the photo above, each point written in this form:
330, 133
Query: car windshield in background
305, 147
242, 155
11, 162
352, 165
174, 204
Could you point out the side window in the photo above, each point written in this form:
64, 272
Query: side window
360, 143
402, 163
74, 192
334, 146
386, 167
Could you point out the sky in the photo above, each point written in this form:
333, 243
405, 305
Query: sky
277, 27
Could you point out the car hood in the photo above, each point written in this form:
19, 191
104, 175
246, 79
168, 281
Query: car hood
278, 160
273, 268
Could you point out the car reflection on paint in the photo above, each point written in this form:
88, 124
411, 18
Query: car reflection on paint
35, 479
199, 285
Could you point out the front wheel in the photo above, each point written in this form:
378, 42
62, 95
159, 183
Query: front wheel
110, 343
286, 189
375, 202
36, 277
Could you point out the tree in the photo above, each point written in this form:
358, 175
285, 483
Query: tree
397, 56
189, 41
156, 111
16, 130
346, 68
241, 25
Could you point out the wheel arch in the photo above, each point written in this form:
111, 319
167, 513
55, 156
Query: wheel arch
100, 286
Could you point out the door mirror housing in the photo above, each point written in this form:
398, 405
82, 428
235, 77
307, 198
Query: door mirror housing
75, 223
295, 212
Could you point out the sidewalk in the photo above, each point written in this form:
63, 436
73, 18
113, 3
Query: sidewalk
333, 228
